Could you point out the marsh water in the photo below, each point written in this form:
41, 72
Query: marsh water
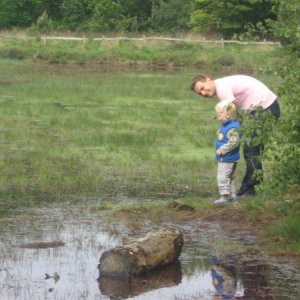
73, 273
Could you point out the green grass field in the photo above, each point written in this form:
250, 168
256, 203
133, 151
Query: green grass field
84, 129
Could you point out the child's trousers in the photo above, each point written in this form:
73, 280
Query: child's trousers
225, 177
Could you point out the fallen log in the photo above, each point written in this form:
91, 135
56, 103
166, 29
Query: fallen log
135, 257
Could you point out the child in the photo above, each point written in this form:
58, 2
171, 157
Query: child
227, 152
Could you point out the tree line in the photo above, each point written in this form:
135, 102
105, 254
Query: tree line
225, 18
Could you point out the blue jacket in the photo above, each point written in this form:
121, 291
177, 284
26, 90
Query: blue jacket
222, 139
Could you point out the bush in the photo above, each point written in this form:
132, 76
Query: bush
285, 151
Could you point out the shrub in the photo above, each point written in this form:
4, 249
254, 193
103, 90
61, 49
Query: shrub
285, 151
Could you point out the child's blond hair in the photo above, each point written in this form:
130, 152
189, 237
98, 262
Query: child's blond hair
225, 107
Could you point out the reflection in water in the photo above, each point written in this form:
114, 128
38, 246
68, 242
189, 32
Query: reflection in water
253, 276
22, 270
122, 288
224, 279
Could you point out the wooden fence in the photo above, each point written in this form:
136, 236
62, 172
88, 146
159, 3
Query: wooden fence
158, 38
83, 39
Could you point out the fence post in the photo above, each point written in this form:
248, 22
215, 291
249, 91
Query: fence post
44, 39
222, 42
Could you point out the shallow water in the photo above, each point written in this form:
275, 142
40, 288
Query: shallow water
86, 237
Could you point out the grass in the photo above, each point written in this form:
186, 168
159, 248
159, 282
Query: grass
285, 235
79, 129
136, 53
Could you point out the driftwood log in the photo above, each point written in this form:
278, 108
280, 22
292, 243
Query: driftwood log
135, 257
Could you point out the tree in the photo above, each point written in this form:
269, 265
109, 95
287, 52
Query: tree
228, 17
287, 26
19, 13
102, 15
171, 15
137, 13
106, 15
75, 13
53, 8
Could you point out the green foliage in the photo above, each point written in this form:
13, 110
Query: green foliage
254, 32
106, 15
171, 15
285, 151
229, 17
215, 17
291, 204
292, 228
54, 8
286, 28
137, 14
19, 13
287, 232
43, 24
258, 127
255, 206
75, 14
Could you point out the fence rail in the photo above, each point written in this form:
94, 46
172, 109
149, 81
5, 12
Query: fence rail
158, 38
